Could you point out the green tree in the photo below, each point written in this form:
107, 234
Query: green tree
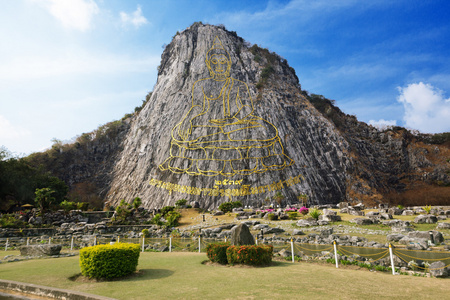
44, 198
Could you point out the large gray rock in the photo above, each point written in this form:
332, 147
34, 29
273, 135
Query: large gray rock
307, 222
361, 221
443, 226
40, 250
438, 269
428, 219
394, 237
240, 235
436, 235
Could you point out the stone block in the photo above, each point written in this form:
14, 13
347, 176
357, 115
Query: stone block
40, 250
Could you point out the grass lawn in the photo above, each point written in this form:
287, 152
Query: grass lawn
183, 276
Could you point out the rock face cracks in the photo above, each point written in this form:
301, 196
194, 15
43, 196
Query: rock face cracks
228, 121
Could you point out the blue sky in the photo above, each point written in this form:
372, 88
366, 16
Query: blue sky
68, 66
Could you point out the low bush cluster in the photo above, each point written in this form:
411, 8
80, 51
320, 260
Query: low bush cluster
255, 255
109, 261
217, 252
228, 206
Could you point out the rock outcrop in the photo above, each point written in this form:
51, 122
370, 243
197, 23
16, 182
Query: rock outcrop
229, 121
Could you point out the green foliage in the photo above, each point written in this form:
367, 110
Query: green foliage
82, 206
157, 220
109, 261
11, 221
217, 252
166, 209
44, 198
266, 72
19, 181
172, 219
228, 206
272, 217
180, 202
122, 212
137, 202
315, 213
400, 206
427, 208
68, 205
255, 255
145, 232
292, 215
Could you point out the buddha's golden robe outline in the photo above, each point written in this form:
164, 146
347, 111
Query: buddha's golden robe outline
235, 141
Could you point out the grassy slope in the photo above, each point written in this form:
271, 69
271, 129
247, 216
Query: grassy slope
182, 276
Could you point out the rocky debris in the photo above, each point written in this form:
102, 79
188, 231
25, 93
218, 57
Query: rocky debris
428, 219
408, 212
40, 250
342, 205
307, 222
362, 221
395, 211
240, 235
443, 226
297, 232
414, 243
329, 216
396, 223
438, 269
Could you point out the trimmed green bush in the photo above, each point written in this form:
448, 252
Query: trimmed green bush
109, 261
217, 252
255, 255
272, 217
167, 209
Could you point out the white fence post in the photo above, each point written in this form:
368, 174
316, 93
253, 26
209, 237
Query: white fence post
143, 243
392, 259
170, 244
28, 241
335, 255
95, 240
6, 245
256, 241
49, 240
118, 238
71, 244
199, 243
292, 249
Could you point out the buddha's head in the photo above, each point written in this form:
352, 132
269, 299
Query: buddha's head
218, 60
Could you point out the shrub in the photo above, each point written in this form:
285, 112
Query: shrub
217, 252
68, 205
137, 202
272, 217
226, 207
304, 210
250, 255
315, 213
109, 261
427, 209
292, 215
181, 202
157, 220
166, 209
145, 233
172, 219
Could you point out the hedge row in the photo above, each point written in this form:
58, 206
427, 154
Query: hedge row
109, 261
254, 255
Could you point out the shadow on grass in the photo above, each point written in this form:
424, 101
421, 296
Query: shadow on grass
142, 274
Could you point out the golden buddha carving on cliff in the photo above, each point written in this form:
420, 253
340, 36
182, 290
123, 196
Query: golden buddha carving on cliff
220, 135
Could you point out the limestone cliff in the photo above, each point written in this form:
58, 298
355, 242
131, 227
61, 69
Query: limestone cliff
229, 121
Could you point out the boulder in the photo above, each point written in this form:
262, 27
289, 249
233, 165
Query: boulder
428, 219
40, 250
361, 221
240, 235
329, 212
396, 223
394, 237
437, 236
304, 222
273, 230
385, 216
395, 211
438, 269
354, 212
342, 205
326, 232
443, 226
330, 218
297, 232
408, 212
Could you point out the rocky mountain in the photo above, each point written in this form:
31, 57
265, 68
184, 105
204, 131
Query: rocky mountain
229, 121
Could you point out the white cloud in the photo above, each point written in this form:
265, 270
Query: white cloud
76, 14
426, 109
8, 131
382, 123
135, 18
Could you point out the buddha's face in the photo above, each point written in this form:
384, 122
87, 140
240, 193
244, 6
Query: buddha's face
219, 64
